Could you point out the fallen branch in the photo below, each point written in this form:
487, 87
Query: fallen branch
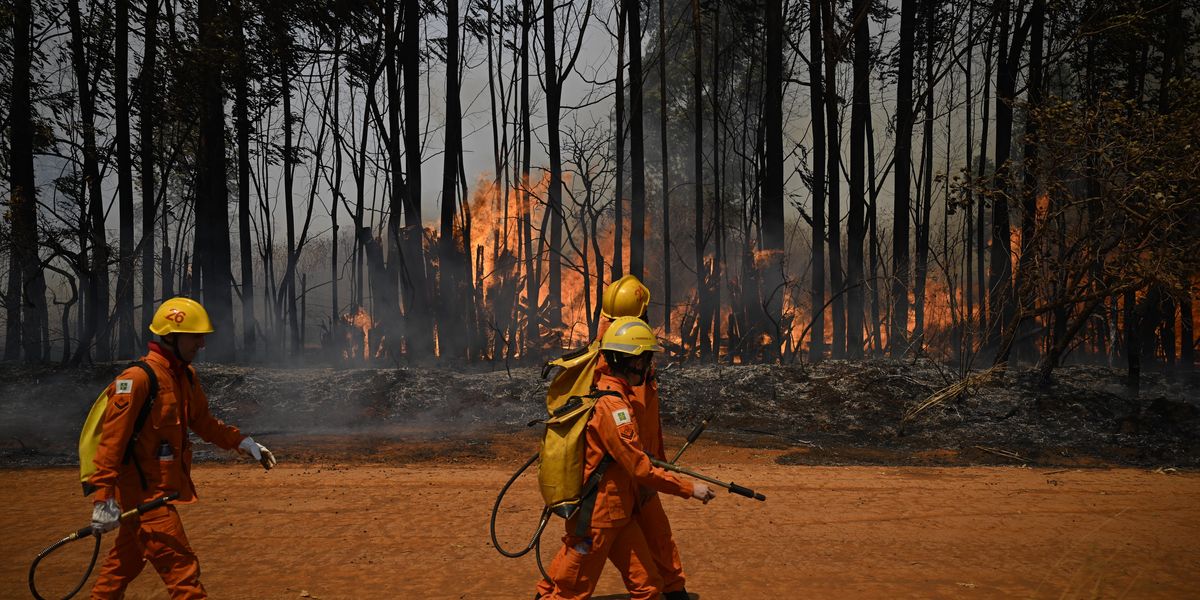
952, 391
999, 452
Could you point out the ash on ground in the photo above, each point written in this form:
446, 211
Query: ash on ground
835, 412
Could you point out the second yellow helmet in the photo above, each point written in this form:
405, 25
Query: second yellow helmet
625, 297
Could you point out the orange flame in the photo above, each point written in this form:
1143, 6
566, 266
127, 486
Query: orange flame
359, 321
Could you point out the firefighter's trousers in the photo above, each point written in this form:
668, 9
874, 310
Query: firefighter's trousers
576, 568
157, 537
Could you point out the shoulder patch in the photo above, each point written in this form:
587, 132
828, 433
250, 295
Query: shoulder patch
124, 386
621, 416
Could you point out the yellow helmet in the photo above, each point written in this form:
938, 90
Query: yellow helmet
625, 297
180, 315
630, 335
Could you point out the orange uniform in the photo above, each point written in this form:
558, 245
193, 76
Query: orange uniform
163, 454
614, 532
650, 516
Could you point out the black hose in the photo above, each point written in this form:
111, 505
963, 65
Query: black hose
84, 532
538, 553
55, 546
535, 543
537, 535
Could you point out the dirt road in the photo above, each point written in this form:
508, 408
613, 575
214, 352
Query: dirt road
418, 529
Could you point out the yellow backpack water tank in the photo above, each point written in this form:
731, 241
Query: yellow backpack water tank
569, 404
89, 437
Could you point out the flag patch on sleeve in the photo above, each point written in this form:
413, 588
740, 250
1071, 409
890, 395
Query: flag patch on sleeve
621, 416
124, 386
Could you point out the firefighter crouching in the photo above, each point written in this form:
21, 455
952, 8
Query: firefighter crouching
161, 456
609, 531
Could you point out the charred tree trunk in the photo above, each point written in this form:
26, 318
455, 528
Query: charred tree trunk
335, 194
95, 302
637, 197
12, 312
833, 160
289, 162
149, 102
166, 258
1062, 338
241, 110
981, 215
1187, 333
718, 181
1133, 351
1167, 335
1024, 283
666, 164
414, 278
618, 265
394, 268
212, 202
554, 194
858, 133
532, 285
1149, 314
816, 347
1000, 301
873, 253
359, 167
898, 336
965, 343
450, 317
923, 219
125, 335
717, 276
29, 292
1172, 68
703, 309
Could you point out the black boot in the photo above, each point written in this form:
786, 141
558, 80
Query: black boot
680, 595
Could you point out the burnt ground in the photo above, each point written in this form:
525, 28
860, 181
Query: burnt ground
833, 413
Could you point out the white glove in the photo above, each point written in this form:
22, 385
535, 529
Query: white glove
258, 451
106, 516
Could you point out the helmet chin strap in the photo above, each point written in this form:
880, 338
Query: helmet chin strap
169, 340
629, 373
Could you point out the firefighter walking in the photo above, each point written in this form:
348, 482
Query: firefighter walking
606, 528
628, 297
159, 456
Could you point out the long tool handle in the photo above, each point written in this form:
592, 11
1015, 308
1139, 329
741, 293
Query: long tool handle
133, 512
692, 437
732, 487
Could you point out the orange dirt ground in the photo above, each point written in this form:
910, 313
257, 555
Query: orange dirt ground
418, 528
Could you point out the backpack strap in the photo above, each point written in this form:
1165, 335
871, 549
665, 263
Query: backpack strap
576, 353
141, 420
587, 503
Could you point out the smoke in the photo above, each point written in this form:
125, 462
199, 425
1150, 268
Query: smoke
43, 409
321, 415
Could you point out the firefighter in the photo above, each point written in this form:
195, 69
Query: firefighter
161, 456
609, 530
628, 297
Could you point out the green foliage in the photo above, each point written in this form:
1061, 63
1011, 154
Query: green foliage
1144, 171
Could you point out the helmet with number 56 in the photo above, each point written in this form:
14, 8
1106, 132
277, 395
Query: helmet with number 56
180, 315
